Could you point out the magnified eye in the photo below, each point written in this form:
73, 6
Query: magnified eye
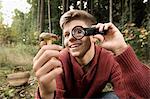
78, 32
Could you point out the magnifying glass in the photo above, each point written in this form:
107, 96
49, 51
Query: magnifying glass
78, 32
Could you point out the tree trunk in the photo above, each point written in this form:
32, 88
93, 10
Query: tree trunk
49, 16
67, 5
91, 6
130, 10
81, 4
110, 10
122, 4
41, 16
38, 15
64, 6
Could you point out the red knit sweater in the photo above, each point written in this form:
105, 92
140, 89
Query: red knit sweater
135, 74
130, 78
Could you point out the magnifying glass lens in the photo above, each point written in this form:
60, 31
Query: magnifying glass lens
78, 32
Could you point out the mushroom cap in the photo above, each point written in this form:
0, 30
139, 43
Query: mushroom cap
18, 79
47, 36
54, 36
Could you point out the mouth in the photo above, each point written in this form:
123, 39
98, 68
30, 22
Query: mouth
75, 45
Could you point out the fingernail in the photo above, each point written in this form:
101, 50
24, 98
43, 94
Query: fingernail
60, 47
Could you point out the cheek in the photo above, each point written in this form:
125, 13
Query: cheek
87, 43
65, 42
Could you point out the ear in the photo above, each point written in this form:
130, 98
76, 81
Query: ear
93, 39
97, 38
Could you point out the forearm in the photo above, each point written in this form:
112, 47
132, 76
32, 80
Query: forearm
136, 74
129, 61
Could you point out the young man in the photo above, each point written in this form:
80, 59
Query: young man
82, 69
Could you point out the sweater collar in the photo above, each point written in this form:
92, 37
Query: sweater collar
77, 69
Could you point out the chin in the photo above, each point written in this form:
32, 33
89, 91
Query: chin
75, 54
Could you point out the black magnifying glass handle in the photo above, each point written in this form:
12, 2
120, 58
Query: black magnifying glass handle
93, 31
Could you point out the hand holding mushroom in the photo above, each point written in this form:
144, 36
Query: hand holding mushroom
47, 66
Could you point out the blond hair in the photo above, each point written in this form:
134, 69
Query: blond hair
76, 15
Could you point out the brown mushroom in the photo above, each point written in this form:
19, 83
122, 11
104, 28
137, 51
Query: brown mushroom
48, 37
18, 79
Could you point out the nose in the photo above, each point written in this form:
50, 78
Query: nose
71, 38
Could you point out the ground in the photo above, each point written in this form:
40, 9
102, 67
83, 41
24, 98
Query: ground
25, 91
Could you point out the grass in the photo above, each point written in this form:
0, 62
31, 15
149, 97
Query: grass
17, 55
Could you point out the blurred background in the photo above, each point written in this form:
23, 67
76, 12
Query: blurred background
22, 21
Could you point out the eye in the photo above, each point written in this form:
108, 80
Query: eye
66, 34
79, 31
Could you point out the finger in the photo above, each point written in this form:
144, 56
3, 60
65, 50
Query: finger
50, 65
47, 55
42, 43
111, 27
51, 75
93, 26
107, 26
47, 47
100, 26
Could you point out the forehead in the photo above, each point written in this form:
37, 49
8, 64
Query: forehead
70, 25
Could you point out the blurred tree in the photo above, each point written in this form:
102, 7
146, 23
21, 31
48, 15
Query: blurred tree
1, 15
27, 26
18, 25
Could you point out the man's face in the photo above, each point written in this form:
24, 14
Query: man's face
77, 48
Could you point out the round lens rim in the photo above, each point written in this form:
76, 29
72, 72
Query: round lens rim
73, 32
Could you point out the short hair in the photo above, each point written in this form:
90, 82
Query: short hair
76, 15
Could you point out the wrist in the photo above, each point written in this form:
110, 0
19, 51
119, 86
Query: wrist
120, 50
46, 95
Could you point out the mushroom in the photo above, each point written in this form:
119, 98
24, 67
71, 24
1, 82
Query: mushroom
48, 37
18, 79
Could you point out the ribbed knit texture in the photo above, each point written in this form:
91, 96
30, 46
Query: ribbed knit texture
136, 75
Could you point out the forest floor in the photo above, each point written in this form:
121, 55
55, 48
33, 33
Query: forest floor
25, 91
17, 58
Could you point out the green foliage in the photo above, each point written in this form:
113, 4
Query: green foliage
6, 35
24, 29
137, 37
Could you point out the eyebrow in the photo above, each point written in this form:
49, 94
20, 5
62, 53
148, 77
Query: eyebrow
66, 32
